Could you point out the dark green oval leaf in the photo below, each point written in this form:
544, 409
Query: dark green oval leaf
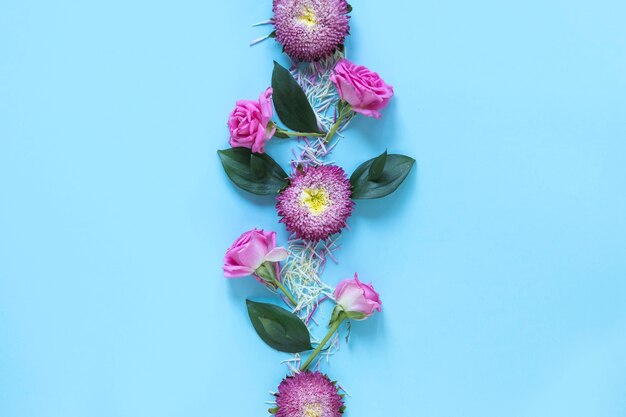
256, 173
292, 106
258, 168
377, 167
279, 328
396, 168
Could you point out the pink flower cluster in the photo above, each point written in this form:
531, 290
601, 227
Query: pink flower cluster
256, 247
314, 203
250, 123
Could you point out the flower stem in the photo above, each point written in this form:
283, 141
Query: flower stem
268, 274
286, 292
300, 134
343, 112
284, 134
318, 349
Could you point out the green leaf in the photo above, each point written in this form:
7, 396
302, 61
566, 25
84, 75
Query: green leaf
256, 173
279, 328
349, 8
258, 167
377, 167
272, 34
292, 106
396, 168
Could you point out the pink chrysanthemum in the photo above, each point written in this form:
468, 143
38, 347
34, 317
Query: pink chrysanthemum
317, 203
310, 30
308, 394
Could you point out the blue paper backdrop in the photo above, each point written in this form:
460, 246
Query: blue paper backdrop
501, 261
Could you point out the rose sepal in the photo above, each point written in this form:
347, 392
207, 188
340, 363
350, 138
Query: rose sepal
266, 273
339, 315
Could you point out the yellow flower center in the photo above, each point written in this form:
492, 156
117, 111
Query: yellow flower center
307, 17
315, 199
313, 410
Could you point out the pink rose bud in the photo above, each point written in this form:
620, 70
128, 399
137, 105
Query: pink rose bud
250, 123
251, 251
357, 300
361, 88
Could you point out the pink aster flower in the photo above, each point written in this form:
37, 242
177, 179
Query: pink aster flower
316, 203
310, 30
308, 394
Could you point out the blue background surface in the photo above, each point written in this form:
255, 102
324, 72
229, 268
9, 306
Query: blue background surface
501, 262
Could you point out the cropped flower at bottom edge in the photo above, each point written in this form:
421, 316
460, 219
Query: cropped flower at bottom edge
308, 394
317, 203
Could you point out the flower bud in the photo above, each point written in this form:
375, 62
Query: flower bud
355, 299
